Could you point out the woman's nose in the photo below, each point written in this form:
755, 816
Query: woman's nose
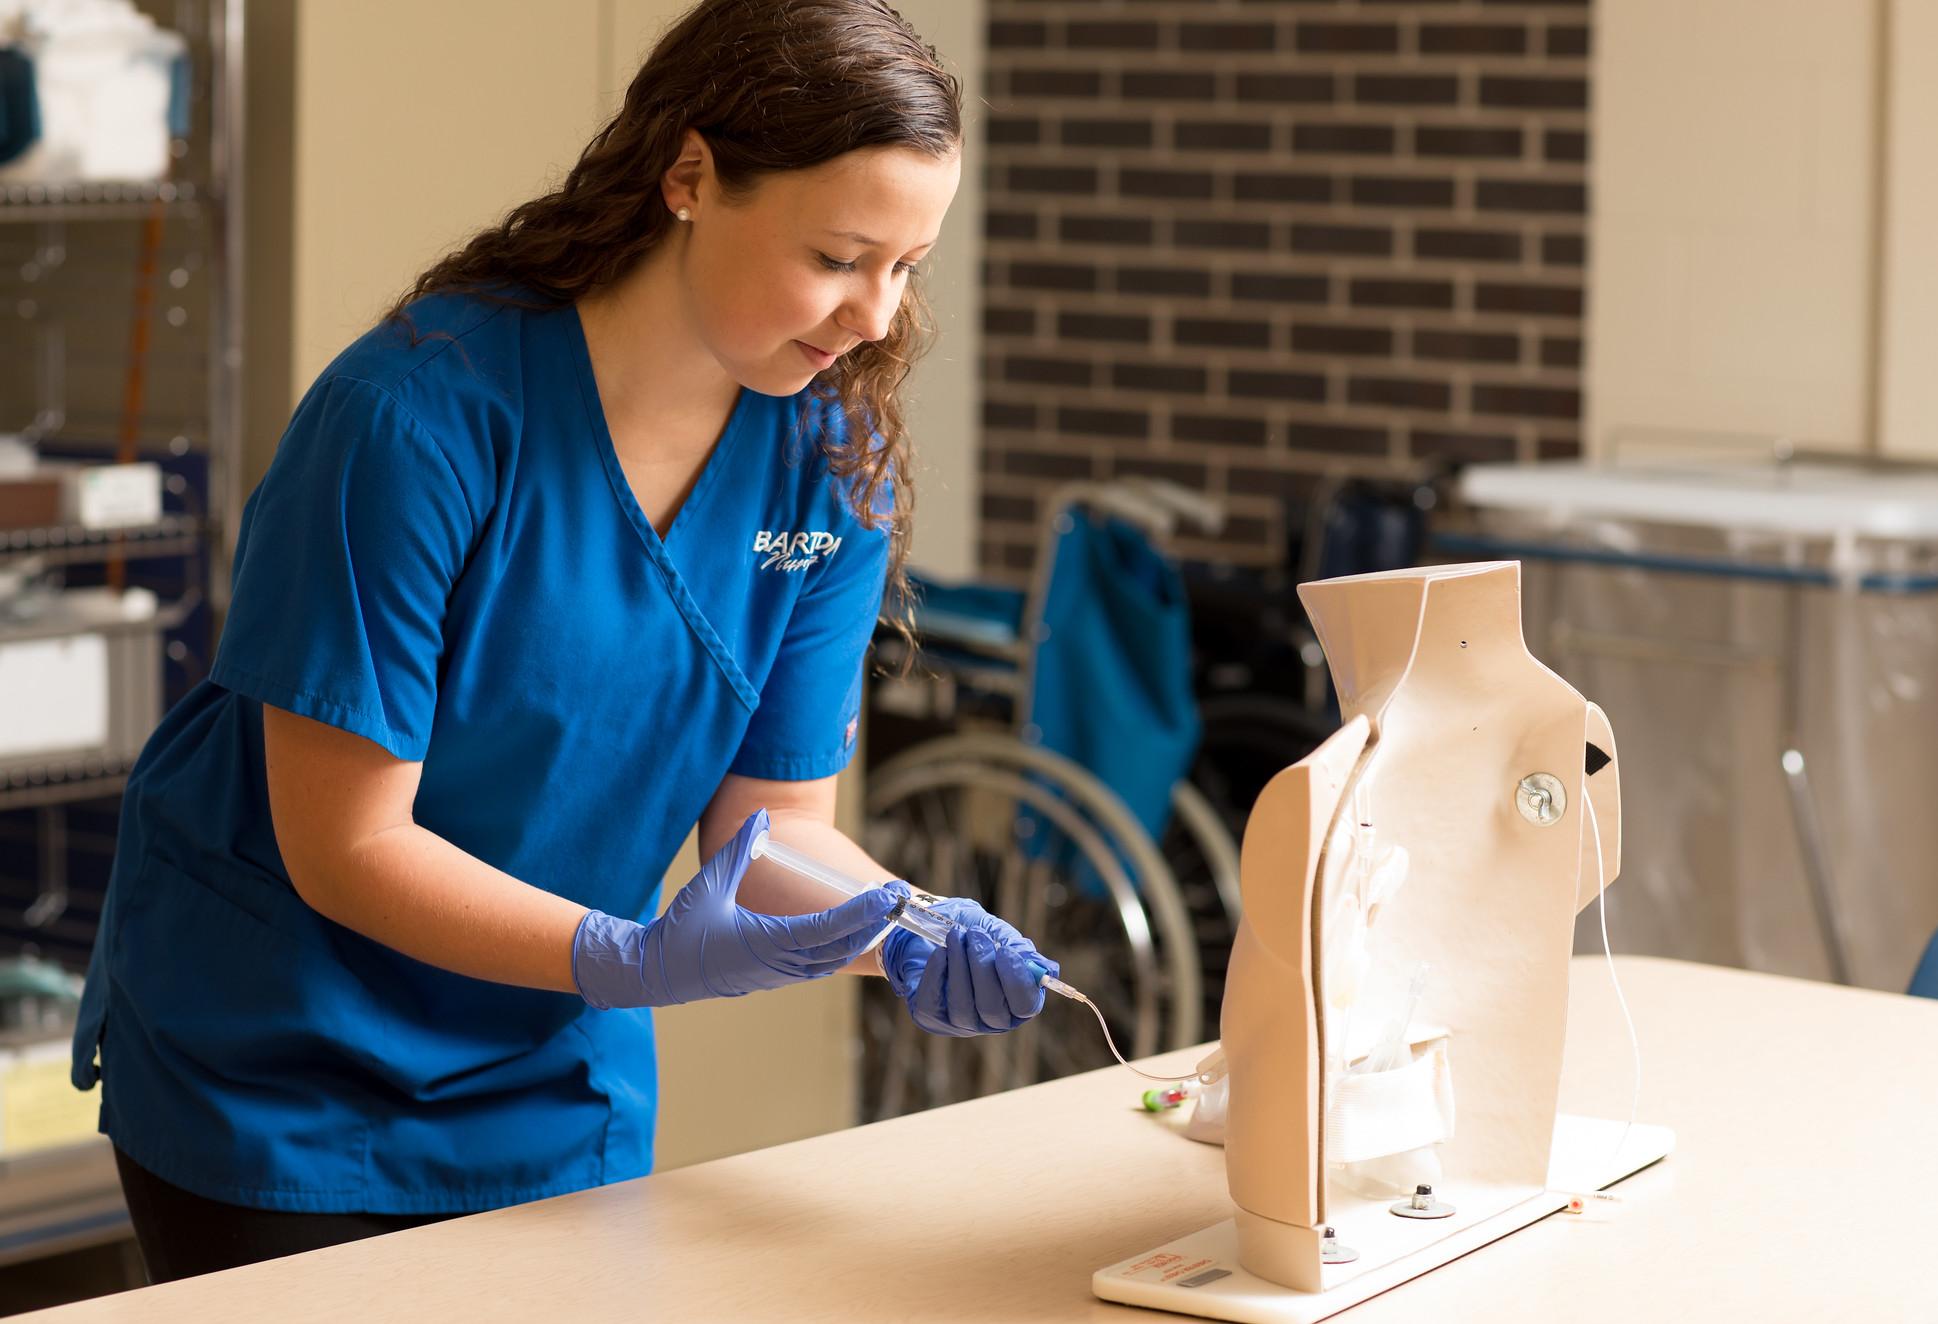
869, 316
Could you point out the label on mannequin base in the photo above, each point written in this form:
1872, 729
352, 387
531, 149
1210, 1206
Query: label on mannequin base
1179, 1270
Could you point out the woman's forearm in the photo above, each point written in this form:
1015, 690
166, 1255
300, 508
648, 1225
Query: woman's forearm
413, 891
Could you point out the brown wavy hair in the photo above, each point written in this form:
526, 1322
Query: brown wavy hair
772, 86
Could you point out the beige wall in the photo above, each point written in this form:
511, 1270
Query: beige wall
1731, 280
1908, 375
379, 147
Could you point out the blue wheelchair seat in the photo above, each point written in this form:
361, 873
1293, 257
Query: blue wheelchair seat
1924, 982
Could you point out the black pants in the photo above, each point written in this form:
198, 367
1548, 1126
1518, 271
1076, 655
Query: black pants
183, 1234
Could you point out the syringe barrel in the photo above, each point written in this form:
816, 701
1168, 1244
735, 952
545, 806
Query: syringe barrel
916, 917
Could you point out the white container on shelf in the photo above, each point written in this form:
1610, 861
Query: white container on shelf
106, 78
111, 496
80, 679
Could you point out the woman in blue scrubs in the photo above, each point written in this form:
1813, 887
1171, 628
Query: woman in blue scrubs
580, 547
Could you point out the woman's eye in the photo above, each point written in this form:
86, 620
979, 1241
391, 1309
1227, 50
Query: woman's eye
835, 264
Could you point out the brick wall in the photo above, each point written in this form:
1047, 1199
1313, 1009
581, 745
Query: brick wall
1238, 243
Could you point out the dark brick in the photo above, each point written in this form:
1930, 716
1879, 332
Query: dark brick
1047, 372
1558, 448
1000, 321
1337, 438
1461, 447
1560, 352
1108, 133
1055, 83
1002, 507
1223, 332
1568, 42
1169, 85
1177, 378
1112, 36
1009, 34
1103, 422
1035, 463
1467, 245
1308, 387
1277, 287
1106, 230
1220, 429
1286, 88
1564, 250
1134, 182
1333, 338
1227, 36
1223, 135
1466, 346
1400, 191
1383, 293
1009, 225
1018, 556
1400, 393
1406, 89
1473, 39
1360, 239
1535, 300
1534, 93
1005, 131
1525, 401
1347, 139
1349, 38
1565, 145
1221, 234
1052, 179
1530, 195
1164, 280
1262, 187
1466, 141
1008, 414
1185, 473
1123, 328
1051, 276
1288, 486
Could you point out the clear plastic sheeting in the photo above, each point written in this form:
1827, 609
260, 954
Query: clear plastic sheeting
1777, 703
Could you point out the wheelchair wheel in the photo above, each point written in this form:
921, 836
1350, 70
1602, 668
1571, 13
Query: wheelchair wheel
1036, 839
1202, 855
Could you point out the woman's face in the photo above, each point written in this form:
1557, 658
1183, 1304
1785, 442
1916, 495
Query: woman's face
812, 263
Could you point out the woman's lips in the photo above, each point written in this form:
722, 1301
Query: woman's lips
816, 357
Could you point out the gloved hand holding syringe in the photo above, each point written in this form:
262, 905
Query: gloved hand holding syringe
925, 917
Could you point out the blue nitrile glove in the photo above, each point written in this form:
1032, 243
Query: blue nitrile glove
979, 982
707, 946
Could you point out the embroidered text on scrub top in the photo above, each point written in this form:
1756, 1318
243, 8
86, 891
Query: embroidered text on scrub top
794, 551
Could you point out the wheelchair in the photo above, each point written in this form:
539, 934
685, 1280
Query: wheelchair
966, 798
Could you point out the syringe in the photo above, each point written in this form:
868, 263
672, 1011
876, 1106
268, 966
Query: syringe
918, 916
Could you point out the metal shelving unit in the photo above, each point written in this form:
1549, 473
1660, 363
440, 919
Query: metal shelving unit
67, 253
69, 256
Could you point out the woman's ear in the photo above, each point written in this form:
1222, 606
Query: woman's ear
689, 176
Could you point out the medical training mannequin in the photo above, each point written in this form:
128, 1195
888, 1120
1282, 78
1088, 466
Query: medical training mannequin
581, 546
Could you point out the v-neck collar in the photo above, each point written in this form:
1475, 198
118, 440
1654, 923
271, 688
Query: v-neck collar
717, 458
600, 436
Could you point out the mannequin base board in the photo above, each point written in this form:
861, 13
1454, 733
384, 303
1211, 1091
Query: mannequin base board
1200, 1274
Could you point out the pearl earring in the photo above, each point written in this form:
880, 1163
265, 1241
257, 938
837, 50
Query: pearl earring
684, 214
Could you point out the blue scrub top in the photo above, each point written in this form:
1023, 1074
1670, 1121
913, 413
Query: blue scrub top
445, 558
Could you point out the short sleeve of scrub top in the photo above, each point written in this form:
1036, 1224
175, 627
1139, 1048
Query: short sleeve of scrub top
352, 636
